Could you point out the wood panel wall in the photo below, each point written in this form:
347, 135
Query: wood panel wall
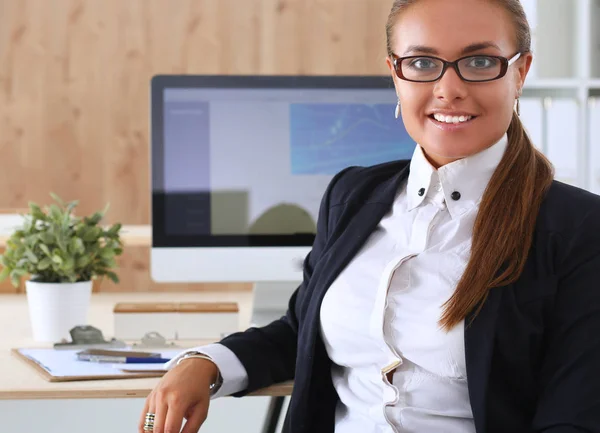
74, 86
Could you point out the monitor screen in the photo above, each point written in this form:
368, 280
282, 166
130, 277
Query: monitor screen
244, 161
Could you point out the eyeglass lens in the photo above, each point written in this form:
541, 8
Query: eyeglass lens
475, 68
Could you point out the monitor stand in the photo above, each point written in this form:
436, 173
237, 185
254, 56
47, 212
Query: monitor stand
271, 301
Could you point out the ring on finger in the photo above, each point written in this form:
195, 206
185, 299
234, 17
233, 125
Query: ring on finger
149, 423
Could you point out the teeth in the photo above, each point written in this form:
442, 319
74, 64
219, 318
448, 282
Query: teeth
451, 119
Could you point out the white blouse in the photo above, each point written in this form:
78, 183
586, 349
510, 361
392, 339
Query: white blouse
381, 314
383, 310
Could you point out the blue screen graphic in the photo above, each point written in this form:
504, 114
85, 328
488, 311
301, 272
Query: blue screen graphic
326, 138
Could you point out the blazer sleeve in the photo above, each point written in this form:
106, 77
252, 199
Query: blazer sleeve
569, 398
269, 353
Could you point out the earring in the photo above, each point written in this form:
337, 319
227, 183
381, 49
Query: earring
398, 109
517, 104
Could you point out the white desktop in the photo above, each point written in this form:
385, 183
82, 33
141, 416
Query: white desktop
239, 167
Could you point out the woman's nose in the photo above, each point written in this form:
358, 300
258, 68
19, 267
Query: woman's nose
450, 87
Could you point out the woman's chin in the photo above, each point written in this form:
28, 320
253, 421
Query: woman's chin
445, 153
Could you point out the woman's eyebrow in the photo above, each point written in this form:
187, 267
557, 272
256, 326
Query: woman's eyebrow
479, 46
467, 50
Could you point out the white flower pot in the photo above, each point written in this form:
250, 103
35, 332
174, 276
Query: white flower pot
56, 308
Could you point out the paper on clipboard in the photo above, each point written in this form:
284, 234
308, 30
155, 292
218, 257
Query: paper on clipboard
139, 368
62, 366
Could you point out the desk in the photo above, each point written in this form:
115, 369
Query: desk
20, 381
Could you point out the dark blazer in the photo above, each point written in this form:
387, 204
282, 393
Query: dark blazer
532, 353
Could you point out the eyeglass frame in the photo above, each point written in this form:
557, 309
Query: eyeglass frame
505, 63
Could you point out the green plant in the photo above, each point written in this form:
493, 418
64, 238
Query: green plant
55, 246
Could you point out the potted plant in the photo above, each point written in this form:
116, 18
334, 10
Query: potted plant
62, 254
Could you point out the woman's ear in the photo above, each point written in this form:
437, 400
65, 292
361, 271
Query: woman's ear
524, 64
390, 64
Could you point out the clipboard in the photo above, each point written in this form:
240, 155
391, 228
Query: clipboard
62, 366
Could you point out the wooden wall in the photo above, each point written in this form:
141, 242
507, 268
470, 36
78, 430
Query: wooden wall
74, 81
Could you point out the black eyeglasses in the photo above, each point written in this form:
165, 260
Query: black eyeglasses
475, 69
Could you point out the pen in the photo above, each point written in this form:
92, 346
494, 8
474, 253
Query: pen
130, 360
126, 360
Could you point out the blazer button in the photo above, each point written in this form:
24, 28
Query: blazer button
455, 195
422, 191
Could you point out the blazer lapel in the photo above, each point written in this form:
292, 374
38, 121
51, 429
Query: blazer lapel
479, 347
358, 230
337, 256
347, 244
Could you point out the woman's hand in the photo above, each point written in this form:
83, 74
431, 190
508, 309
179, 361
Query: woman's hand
183, 392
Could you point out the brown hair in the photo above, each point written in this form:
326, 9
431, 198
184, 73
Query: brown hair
505, 224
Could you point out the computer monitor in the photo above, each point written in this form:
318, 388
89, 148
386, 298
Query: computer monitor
240, 163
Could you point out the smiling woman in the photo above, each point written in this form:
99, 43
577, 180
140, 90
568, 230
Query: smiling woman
465, 106
483, 85
453, 292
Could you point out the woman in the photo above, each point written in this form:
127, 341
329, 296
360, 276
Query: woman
455, 292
